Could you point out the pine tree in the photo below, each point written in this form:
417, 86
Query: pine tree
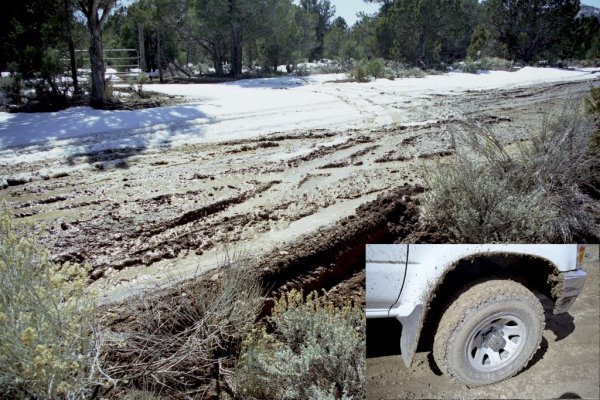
323, 11
531, 29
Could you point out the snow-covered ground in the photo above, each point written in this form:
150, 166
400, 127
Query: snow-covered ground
244, 109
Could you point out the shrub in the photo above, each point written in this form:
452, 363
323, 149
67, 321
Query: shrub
496, 64
486, 64
179, 341
470, 67
359, 73
376, 68
476, 207
311, 350
364, 71
47, 344
410, 73
488, 195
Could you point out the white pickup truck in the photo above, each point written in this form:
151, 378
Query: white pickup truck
478, 300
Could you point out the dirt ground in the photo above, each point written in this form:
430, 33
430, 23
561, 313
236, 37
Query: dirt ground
145, 216
567, 365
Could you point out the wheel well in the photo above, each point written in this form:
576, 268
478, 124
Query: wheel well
535, 273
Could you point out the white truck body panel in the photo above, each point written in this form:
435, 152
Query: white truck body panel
400, 277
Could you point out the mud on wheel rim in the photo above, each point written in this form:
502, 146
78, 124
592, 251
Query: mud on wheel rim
495, 342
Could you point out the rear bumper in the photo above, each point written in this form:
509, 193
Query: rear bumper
573, 282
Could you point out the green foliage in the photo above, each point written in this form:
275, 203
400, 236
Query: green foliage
531, 29
34, 40
287, 39
583, 40
376, 68
311, 350
47, 344
594, 49
427, 32
363, 41
334, 42
534, 196
479, 43
322, 11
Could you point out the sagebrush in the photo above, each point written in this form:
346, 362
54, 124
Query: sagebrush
533, 194
310, 349
473, 66
48, 344
364, 71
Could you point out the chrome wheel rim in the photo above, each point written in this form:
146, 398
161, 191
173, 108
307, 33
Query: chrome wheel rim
495, 342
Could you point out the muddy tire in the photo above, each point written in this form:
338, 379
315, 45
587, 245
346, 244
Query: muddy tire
489, 333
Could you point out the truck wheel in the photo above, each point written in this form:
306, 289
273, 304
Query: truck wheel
489, 333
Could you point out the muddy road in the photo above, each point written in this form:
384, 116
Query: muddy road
566, 366
146, 217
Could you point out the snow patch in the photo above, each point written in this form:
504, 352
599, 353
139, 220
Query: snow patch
244, 109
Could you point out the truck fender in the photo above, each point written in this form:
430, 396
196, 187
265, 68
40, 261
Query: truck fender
411, 331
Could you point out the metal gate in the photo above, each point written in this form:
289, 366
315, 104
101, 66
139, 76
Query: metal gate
122, 63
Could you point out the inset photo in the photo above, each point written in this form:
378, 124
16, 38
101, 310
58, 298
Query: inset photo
482, 321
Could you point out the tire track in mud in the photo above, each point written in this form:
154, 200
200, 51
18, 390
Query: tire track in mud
114, 241
331, 259
323, 259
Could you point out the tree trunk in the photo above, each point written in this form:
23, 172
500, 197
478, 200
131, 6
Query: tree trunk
90, 9
236, 39
181, 69
73, 61
217, 63
159, 57
98, 94
236, 50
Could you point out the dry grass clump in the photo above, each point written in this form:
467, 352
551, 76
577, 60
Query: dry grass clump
592, 107
181, 344
48, 346
308, 350
535, 195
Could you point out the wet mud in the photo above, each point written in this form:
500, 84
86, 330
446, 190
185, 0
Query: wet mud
136, 208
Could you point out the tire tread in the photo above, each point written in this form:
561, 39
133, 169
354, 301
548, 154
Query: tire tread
469, 301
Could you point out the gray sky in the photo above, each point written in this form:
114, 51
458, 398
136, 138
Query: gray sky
349, 8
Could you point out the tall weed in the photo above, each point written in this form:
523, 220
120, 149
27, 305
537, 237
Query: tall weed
182, 340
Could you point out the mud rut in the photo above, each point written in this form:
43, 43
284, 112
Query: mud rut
303, 203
